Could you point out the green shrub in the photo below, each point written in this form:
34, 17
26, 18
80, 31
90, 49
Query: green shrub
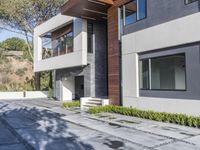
180, 119
50, 92
72, 104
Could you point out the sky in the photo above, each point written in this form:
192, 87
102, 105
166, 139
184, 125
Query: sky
7, 34
4, 34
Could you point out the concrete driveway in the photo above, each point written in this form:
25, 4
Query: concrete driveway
44, 125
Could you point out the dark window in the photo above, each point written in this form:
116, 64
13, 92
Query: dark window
142, 9
58, 42
47, 46
132, 12
69, 42
90, 37
121, 20
163, 73
144, 72
190, 1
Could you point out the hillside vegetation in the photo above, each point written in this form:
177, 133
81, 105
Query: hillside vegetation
16, 67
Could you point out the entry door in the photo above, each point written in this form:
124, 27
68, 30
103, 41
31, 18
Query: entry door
79, 87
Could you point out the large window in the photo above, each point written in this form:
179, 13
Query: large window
133, 11
163, 73
59, 42
64, 43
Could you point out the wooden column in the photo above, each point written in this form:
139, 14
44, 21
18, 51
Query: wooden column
114, 53
113, 57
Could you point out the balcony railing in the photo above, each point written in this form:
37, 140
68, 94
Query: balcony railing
58, 42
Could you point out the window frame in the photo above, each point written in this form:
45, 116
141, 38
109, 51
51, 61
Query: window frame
149, 77
187, 2
124, 11
123, 8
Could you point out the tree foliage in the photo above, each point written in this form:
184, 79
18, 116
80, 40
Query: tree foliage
14, 44
25, 15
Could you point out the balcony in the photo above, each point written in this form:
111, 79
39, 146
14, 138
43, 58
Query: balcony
60, 43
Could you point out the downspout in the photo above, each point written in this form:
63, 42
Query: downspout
120, 57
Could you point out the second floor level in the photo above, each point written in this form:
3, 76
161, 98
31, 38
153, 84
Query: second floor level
66, 42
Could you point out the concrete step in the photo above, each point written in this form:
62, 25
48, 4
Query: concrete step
94, 102
89, 105
95, 99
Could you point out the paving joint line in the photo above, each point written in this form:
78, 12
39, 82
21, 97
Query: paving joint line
168, 137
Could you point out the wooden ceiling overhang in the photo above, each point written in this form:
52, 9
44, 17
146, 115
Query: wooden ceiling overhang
87, 9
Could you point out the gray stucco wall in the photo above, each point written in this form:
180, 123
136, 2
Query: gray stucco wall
78, 71
161, 11
192, 55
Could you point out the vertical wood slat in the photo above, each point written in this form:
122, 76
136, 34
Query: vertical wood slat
114, 82
113, 57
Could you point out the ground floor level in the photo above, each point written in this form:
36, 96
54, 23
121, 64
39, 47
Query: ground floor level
77, 82
166, 79
43, 124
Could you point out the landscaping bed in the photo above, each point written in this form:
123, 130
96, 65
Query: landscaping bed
180, 119
72, 104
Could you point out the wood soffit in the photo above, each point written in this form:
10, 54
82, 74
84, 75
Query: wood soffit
88, 9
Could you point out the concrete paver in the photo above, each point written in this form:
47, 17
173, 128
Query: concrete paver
178, 146
46, 130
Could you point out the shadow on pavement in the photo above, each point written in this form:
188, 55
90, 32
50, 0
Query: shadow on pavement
44, 130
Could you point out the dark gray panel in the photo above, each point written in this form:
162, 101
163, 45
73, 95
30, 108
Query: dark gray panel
100, 56
161, 11
192, 53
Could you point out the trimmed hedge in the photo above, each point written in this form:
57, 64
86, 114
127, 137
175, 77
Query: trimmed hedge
180, 119
72, 104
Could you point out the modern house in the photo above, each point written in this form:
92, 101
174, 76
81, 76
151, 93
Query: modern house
139, 53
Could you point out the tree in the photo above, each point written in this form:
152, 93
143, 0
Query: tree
25, 15
14, 44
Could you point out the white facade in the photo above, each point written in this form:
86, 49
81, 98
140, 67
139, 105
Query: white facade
64, 88
174, 33
77, 58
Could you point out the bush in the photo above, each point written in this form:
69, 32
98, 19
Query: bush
180, 119
72, 104
50, 92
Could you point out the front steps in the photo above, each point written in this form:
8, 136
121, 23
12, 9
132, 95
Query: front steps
88, 102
